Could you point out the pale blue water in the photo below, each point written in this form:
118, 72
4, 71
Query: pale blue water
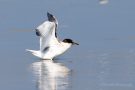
104, 60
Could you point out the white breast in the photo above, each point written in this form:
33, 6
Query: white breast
56, 50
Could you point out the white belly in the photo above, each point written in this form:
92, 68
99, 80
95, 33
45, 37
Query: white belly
55, 51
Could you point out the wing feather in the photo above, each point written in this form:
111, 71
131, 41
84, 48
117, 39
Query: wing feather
47, 33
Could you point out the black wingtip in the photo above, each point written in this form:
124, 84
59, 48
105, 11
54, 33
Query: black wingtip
48, 13
37, 32
50, 17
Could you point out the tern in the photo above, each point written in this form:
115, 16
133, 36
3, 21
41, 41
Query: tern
50, 45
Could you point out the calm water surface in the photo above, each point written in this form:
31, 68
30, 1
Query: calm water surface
104, 60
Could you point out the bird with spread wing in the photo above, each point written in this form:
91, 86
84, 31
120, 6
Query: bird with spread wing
50, 46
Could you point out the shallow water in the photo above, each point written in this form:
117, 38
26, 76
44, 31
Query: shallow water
104, 60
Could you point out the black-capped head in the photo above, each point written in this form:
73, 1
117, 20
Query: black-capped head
70, 41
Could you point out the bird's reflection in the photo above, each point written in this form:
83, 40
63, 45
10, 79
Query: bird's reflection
51, 75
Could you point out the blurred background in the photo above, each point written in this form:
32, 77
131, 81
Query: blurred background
104, 60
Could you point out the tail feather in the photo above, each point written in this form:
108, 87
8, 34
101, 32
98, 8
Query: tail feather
34, 52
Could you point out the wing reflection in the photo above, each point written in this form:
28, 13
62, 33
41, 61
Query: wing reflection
50, 75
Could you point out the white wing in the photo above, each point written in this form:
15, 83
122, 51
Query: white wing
47, 33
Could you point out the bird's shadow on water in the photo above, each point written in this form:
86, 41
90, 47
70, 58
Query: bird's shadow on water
50, 75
